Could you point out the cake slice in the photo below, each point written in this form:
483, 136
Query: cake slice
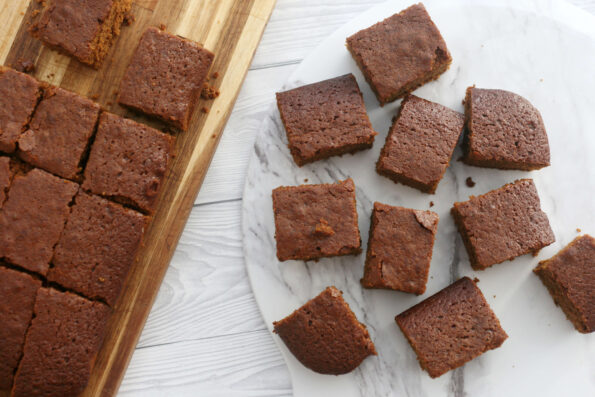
325, 336
451, 327
570, 279
82, 29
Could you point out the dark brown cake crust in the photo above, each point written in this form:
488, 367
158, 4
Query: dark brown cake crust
19, 94
570, 279
165, 77
61, 345
504, 131
128, 162
503, 224
400, 248
17, 292
325, 336
325, 119
400, 53
97, 248
33, 217
315, 221
81, 29
451, 327
420, 144
59, 132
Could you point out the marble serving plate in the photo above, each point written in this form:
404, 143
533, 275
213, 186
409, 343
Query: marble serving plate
543, 50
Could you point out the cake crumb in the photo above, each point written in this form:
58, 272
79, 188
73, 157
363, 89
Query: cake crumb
129, 19
305, 180
205, 109
431, 203
214, 136
494, 296
35, 13
24, 66
469, 182
475, 280
215, 75
578, 230
209, 92
162, 26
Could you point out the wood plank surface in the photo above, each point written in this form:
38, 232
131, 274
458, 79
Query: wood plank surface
229, 28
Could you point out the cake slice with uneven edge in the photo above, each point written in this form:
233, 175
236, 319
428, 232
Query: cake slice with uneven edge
451, 327
504, 131
97, 248
128, 162
316, 221
17, 296
82, 29
19, 94
400, 248
59, 133
325, 119
165, 77
33, 217
570, 279
401, 53
61, 345
503, 224
420, 144
325, 336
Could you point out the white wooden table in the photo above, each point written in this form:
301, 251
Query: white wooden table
205, 335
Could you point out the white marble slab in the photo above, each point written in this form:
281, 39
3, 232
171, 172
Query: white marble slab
544, 51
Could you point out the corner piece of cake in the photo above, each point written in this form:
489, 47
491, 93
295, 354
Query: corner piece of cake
504, 130
325, 336
325, 119
84, 30
451, 327
400, 53
503, 224
400, 248
570, 279
316, 221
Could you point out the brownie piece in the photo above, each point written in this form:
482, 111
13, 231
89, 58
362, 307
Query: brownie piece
59, 132
165, 77
5, 177
400, 53
97, 248
18, 292
128, 162
570, 278
61, 345
451, 327
325, 119
315, 221
33, 217
19, 94
400, 248
325, 336
420, 144
503, 224
504, 131
82, 29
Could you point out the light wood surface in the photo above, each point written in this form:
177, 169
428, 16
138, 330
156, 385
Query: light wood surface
205, 307
231, 29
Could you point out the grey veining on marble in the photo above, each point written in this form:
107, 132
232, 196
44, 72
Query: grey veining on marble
544, 51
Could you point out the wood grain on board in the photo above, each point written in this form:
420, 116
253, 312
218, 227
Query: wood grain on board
229, 28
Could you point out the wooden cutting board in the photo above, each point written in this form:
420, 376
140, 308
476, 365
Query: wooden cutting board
229, 28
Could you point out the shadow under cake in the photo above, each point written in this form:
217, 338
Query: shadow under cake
315, 221
18, 291
570, 279
401, 53
325, 119
325, 336
420, 144
502, 224
165, 77
451, 327
61, 345
399, 248
84, 30
504, 131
